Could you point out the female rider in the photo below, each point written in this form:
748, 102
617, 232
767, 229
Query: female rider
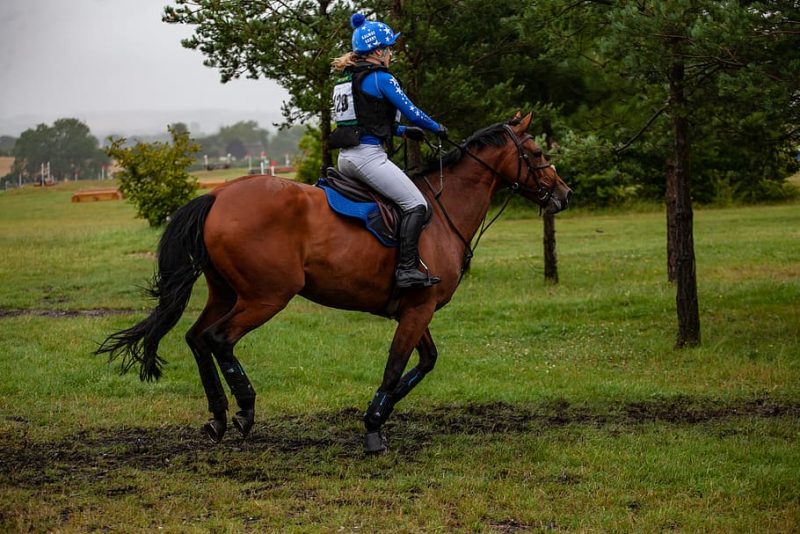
367, 104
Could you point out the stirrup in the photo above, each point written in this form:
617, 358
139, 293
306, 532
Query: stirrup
413, 278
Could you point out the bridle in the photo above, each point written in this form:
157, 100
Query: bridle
541, 193
518, 185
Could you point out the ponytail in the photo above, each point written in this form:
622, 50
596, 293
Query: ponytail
348, 60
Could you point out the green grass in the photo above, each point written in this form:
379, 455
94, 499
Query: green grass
551, 407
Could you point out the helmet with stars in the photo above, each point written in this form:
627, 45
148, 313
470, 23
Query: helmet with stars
369, 35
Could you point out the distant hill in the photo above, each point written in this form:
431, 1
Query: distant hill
144, 122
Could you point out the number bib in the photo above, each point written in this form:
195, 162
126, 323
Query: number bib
343, 110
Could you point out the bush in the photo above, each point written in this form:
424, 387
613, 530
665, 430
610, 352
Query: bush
155, 176
588, 165
309, 161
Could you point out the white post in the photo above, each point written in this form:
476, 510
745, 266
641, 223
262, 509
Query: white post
262, 167
205, 159
41, 174
49, 178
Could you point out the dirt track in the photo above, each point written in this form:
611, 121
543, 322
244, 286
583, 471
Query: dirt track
88, 454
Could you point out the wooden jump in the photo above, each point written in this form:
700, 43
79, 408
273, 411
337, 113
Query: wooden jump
211, 184
93, 195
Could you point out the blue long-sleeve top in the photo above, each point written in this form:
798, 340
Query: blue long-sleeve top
382, 85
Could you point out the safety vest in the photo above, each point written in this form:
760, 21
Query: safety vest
352, 108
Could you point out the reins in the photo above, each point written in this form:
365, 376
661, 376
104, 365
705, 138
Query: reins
517, 186
469, 250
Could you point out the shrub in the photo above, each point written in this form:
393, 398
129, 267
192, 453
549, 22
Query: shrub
588, 165
309, 161
154, 176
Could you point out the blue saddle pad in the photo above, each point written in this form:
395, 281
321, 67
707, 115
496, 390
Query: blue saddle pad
367, 212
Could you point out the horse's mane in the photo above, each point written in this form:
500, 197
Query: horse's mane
494, 135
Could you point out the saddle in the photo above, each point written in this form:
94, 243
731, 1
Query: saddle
350, 197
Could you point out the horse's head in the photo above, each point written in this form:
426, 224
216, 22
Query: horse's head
528, 172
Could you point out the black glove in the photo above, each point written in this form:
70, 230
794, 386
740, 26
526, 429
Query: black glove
442, 133
414, 133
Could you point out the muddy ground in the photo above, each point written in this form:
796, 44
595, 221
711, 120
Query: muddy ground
87, 455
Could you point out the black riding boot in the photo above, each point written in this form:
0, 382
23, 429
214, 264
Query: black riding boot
407, 275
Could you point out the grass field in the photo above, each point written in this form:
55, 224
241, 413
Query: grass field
552, 408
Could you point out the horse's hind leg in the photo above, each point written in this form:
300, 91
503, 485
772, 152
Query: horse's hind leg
221, 299
222, 337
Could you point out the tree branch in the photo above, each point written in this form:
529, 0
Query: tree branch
644, 129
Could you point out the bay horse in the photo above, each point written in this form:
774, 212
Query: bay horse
261, 240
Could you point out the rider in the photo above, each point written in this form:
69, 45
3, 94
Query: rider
367, 104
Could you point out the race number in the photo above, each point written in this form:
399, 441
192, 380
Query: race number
343, 109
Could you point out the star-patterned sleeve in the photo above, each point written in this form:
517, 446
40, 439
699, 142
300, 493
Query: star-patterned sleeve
390, 89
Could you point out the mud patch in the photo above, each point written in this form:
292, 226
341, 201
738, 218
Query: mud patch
280, 447
57, 314
508, 526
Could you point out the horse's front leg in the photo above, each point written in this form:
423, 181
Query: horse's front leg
412, 330
427, 360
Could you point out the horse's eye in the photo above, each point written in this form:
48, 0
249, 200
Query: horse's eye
537, 154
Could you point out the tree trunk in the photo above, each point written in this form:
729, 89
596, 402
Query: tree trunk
325, 132
686, 276
325, 115
550, 260
669, 198
411, 81
549, 240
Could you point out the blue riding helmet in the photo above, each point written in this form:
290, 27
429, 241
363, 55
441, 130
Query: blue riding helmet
369, 35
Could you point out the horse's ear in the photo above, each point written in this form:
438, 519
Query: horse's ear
521, 123
515, 120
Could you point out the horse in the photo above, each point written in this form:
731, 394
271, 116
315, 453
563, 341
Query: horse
261, 240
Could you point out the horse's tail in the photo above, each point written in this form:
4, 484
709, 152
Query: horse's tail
182, 255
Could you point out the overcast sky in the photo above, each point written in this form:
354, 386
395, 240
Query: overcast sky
112, 61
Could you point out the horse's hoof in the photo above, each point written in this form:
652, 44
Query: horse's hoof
243, 421
215, 429
375, 443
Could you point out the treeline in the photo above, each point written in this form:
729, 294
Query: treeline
246, 140
67, 149
615, 85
